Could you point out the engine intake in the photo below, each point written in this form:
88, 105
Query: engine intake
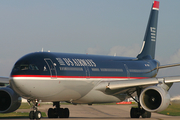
154, 99
9, 100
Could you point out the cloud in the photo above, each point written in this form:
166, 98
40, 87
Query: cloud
95, 50
130, 51
175, 58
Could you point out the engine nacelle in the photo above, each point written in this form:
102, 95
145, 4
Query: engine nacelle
9, 100
154, 99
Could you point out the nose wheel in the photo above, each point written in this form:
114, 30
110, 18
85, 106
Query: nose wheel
34, 114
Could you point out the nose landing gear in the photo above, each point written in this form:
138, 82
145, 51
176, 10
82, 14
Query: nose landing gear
35, 114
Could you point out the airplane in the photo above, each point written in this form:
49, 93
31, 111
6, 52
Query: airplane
90, 79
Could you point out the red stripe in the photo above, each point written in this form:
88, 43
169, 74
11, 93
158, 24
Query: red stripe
48, 76
156, 4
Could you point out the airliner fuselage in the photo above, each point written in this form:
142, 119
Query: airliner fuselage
73, 77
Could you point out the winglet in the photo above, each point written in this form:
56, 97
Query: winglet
156, 5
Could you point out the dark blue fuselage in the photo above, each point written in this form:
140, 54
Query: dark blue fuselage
83, 66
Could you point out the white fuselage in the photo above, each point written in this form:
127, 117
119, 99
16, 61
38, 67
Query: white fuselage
72, 90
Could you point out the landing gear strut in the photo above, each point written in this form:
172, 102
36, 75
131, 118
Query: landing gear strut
137, 112
35, 114
58, 112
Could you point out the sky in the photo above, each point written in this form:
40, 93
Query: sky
102, 27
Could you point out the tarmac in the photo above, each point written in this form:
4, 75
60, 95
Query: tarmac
97, 112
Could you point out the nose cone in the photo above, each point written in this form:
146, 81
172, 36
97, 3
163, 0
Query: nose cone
21, 86
27, 75
29, 65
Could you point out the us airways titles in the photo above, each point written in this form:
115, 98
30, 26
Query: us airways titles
153, 33
76, 62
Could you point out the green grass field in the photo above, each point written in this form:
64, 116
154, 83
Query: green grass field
172, 110
25, 106
17, 115
14, 115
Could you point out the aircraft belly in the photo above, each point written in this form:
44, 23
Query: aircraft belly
52, 89
96, 96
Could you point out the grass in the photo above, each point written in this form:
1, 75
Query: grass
14, 115
25, 106
17, 115
172, 110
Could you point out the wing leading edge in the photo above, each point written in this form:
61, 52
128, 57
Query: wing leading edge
124, 86
4, 80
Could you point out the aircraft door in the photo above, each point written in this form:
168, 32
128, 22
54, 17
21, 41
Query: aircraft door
51, 67
127, 71
87, 72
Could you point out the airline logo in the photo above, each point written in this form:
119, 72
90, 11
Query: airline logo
76, 62
153, 33
156, 5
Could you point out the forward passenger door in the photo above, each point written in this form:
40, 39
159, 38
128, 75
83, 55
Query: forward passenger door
52, 67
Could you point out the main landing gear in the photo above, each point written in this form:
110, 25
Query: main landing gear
35, 114
139, 111
58, 112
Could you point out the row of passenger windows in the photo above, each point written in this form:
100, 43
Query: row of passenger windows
34, 67
103, 69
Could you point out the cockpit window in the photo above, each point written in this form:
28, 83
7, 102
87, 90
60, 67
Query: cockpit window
25, 67
33, 67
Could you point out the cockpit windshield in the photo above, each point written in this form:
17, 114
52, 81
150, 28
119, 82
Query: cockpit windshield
25, 67
32, 64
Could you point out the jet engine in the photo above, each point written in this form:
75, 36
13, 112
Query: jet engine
154, 99
9, 100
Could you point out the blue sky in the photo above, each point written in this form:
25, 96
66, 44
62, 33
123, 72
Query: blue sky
86, 26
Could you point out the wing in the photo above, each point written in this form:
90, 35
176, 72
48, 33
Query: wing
4, 80
129, 86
